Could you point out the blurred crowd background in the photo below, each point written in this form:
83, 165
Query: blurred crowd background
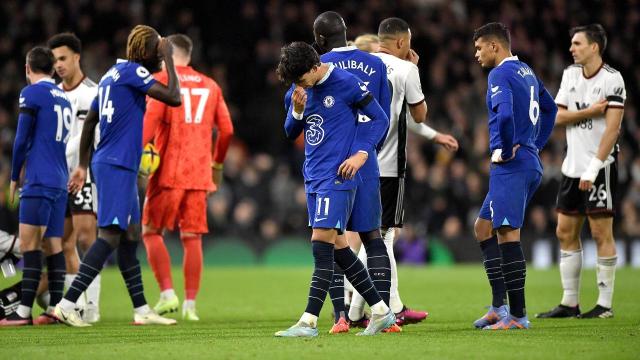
238, 44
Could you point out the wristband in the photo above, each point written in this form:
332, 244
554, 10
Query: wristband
296, 115
217, 166
592, 170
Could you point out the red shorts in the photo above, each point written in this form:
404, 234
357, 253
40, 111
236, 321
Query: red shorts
170, 208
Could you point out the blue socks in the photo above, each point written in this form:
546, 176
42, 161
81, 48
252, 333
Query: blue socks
336, 292
56, 269
31, 276
322, 276
379, 267
514, 270
492, 266
357, 275
130, 270
89, 268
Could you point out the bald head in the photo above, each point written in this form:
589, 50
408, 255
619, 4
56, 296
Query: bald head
330, 31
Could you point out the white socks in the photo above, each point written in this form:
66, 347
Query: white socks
570, 269
310, 319
606, 275
395, 303
356, 309
142, 310
93, 291
24, 311
167, 294
380, 308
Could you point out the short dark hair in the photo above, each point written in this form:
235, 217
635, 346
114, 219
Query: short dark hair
67, 39
594, 33
495, 30
182, 42
296, 59
391, 26
40, 59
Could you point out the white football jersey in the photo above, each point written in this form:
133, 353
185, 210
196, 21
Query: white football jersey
405, 87
578, 92
80, 97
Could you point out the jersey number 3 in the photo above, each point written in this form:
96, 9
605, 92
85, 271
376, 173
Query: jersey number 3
186, 96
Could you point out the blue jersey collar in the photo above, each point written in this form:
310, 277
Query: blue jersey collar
510, 58
326, 76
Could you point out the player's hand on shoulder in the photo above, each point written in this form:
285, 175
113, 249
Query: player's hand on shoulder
599, 108
299, 99
77, 179
350, 167
413, 57
449, 142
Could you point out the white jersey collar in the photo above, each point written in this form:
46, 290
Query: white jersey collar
46, 79
510, 58
345, 48
326, 76
120, 61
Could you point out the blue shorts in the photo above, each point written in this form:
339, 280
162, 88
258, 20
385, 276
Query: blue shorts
508, 197
117, 195
330, 209
367, 207
42, 206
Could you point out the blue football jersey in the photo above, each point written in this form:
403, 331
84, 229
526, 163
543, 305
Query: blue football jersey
373, 73
329, 127
515, 84
121, 103
42, 135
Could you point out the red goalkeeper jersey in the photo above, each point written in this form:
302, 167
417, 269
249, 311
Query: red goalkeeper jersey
183, 135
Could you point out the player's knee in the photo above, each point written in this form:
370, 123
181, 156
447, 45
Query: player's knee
482, 229
133, 232
602, 235
111, 234
370, 235
149, 229
565, 234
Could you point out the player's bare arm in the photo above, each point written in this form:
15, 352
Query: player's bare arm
613, 119
419, 111
78, 177
169, 94
350, 167
567, 117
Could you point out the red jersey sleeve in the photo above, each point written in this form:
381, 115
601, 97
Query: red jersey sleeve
222, 120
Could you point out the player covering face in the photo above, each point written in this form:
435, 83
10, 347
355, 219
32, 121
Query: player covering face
521, 117
323, 106
119, 108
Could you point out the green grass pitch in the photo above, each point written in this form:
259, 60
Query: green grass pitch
241, 308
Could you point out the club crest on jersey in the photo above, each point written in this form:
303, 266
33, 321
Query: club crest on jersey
328, 101
314, 133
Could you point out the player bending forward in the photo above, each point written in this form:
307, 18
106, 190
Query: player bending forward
521, 117
324, 106
177, 191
